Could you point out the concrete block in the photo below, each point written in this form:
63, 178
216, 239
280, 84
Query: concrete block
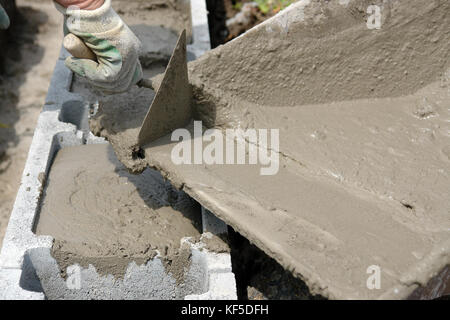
59, 90
223, 287
49, 137
201, 40
11, 288
221, 279
149, 281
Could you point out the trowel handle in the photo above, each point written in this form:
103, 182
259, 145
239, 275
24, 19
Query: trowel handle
78, 48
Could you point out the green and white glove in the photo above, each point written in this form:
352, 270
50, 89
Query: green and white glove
4, 19
117, 67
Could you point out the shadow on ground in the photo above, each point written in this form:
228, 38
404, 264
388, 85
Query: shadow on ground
259, 277
24, 76
21, 35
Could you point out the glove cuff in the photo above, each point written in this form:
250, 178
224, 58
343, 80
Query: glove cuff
91, 21
96, 12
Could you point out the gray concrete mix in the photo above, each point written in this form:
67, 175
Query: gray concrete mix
100, 214
364, 145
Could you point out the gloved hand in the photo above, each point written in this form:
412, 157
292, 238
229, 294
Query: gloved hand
117, 48
4, 19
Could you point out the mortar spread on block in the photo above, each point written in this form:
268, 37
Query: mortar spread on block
363, 117
100, 214
213, 243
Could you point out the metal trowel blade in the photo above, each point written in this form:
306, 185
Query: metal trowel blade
171, 108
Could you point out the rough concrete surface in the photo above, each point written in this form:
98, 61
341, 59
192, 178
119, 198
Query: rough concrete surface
363, 117
100, 214
146, 281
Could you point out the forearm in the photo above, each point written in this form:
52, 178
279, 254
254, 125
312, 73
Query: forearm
82, 4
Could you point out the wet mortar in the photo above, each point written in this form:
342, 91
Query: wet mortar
102, 215
364, 144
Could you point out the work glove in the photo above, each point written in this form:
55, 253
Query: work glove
117, 67
4, 19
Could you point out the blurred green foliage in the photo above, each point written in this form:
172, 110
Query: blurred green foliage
267, 6
237, 5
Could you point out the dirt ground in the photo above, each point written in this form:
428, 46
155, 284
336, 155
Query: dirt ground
24, 81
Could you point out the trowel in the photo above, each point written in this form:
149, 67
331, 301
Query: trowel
171, 107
